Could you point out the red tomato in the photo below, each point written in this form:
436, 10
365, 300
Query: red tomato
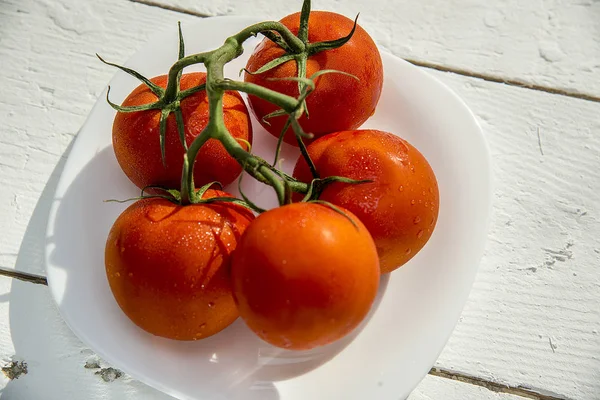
339, 102
399, 208
303, 275
136, 139
168, 266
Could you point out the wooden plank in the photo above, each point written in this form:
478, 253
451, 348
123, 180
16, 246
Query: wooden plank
544, 229
533, 317
547, 43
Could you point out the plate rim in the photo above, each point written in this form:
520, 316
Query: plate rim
63, 185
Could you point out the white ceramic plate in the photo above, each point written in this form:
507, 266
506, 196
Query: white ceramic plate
416, 313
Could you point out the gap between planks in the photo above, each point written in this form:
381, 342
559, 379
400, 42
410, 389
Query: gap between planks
24, 276
522, 391
439, 372
426, 64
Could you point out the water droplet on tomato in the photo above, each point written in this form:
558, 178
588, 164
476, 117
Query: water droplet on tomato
120, 246
118, 274
408, 251
154, 215
413, 202
130, 274
211, 305
424, 193
420, 234
401, 188
202, 326
416, 220
430, 190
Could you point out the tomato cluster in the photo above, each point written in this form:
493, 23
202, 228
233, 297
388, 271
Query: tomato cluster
300, 275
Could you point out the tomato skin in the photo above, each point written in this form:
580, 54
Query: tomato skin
168, 266
303, 276
136, 139
399, 208
339, 102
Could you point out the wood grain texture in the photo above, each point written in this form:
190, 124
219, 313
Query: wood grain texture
538, 281
550, 43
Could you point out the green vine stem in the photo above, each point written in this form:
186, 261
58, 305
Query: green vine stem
301, 60
297, 48
216, 85
169, 100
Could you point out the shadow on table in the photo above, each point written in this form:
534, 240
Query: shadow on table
55, 357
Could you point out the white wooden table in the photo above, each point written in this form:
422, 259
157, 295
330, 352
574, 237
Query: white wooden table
530, 70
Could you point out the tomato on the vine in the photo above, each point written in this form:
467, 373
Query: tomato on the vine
168, 265
399, 207
136, 139
304, 275
339, 102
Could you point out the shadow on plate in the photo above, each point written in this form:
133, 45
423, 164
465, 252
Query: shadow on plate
234, 361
